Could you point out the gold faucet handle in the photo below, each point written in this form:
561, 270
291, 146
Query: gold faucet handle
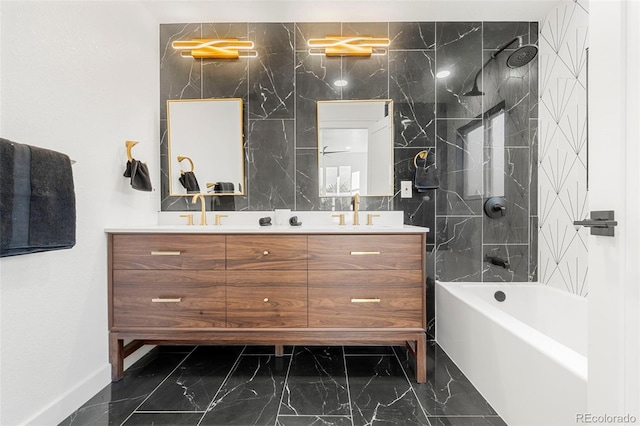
219, 217
189, 218
341, 216
370, 218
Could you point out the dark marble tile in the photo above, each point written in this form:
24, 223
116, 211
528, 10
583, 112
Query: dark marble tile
375, 29
380, 392
533, 249
193, 385
533, 167
458, 50
315, 80
180, 78
412, 35
459, 248
164, 419
271, 74
225, 79
418, 210
307, 30
367, 78
368, 350
113, 404
431, 296
509, 87
497, 34
412, 88
317, 383
265, 350
307, 191
251, 394
460, 161
447, 391
513, 227
517, 258
271, 170
314, 421
467, 421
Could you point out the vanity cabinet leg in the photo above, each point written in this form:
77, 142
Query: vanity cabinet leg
279, 350
421, 358
116, 357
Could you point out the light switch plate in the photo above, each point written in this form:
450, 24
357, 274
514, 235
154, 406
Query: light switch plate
405, 189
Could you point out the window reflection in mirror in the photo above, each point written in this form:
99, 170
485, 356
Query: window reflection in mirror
209, 133
355, 148
483, 147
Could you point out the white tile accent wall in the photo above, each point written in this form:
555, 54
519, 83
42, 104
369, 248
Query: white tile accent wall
563, 152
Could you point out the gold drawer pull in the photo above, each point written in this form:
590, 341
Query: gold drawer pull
166, 300
165, 253
265, 300
371, 300
265, 253
363, 253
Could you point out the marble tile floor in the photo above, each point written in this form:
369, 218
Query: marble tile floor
248, 385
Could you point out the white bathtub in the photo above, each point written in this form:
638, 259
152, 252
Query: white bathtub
526, 355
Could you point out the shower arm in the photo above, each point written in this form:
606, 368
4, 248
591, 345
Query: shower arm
493, 56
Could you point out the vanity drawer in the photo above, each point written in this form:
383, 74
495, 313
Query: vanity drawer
366, 299
365, 252
267, 299
168, 251
180, 299
267, 252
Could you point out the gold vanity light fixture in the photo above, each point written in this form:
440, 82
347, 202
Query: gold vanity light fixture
362, 46
202, 48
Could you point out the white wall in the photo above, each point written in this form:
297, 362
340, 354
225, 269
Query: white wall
81, 77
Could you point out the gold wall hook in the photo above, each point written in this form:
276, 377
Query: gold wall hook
129, 145
181, 157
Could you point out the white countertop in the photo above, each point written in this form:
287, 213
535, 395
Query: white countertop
246, 222
274, 229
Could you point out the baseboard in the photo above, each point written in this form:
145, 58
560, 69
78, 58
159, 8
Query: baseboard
68, 402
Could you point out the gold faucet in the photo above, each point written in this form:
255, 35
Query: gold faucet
218, 218
356, 203
203, 215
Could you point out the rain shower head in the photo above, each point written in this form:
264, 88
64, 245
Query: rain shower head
519, 58
522, 56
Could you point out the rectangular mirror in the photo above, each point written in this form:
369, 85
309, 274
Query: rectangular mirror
205, 147
355, 148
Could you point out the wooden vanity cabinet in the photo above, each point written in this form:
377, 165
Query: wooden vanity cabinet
266, 289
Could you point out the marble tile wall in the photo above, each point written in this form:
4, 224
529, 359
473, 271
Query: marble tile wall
280, 89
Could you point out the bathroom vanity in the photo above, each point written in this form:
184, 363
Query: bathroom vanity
276, 286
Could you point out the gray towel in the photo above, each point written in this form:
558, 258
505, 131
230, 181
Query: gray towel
37, 200
426, 176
